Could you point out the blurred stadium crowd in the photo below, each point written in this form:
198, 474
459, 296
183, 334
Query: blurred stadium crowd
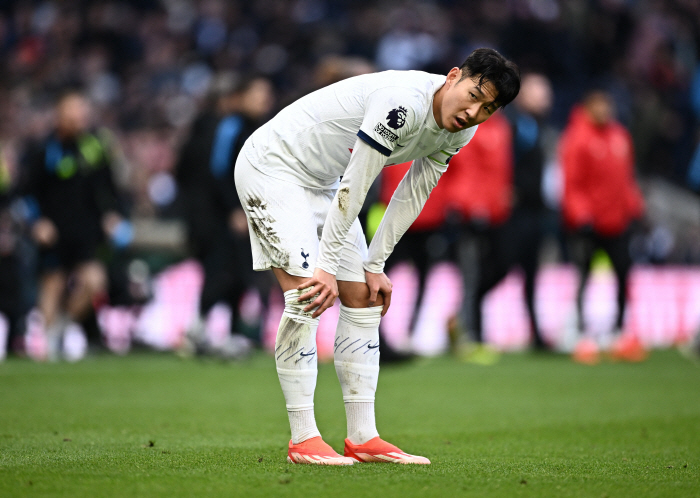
153, 70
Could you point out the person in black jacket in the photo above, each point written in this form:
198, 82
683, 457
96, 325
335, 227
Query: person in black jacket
68, 184
10, 289
217, 226
517, 242
527, 224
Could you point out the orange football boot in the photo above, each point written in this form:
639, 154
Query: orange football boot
586, 352
378, 450
628, 348
315, 451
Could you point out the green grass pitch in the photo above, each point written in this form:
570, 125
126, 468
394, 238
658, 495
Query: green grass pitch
154, 425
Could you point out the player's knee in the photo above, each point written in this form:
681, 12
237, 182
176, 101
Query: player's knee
294, 309
93, 278
356, 295
356, 352
297, 331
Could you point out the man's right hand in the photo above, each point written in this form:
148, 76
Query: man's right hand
325, 285
44, 232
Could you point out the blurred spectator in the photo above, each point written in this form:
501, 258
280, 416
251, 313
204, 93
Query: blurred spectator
10, 292
525, 229
217, 226
68, 185
148, 65
479, 194
601, 201
693, 175
151, 62
333, 68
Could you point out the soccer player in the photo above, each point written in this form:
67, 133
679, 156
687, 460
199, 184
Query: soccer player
303, 222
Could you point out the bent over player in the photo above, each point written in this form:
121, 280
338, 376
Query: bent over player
303, 222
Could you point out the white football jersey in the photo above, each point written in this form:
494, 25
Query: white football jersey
388, 118
310, 141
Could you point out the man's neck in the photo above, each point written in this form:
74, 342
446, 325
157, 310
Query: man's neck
437, 105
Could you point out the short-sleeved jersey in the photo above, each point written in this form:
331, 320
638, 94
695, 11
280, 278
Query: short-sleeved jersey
310, 141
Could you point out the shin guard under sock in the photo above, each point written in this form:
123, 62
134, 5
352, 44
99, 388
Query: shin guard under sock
296, 361
356, 357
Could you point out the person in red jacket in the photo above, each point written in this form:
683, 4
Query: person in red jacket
600, 201
478, 190
478, 186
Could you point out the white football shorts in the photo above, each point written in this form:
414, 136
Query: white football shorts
285, 222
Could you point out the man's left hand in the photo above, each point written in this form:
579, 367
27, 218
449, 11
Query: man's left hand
379, 282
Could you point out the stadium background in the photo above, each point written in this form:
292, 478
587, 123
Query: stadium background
150, 424
150, 67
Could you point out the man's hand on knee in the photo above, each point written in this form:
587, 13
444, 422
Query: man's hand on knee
379, 283
324, 286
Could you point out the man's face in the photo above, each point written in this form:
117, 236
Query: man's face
465, 103
535, 95
73, 115
258, 99
600, 108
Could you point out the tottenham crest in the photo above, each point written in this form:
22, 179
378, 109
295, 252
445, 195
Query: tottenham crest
397, 117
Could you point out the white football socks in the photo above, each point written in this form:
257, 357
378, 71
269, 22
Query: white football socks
296, 360
356, 357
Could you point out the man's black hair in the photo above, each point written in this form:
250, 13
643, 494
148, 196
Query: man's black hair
490, 66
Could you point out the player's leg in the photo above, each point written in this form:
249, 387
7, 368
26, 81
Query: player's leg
528, 234
284, 221
581, 247
52, 286
224, 281
491, 268
356, 357
626, 347
617, 248
296, 359
87, 286
90, 283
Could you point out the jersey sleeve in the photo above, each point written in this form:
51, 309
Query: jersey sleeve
442, 157
405, 206
364, 166
390, 115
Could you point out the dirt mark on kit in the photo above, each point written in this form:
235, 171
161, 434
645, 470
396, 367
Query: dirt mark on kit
354, 381
344, 199
289, 336
262, 225
256, 202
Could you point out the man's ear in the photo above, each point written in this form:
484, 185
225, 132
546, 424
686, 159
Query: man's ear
454, 75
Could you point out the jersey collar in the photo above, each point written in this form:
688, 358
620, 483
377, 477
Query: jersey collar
437, 82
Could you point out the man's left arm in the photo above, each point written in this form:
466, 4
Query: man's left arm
405, 206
